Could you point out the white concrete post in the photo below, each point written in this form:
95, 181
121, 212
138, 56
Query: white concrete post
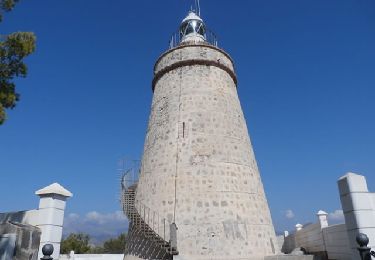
323, 218
50, 216
323, 222
358, 207
299, 227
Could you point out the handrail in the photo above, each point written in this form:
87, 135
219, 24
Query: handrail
210, 38
144, 218
129, 175
151, 222
150, 217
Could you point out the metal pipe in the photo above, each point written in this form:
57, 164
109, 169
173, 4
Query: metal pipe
164, 230
148, 217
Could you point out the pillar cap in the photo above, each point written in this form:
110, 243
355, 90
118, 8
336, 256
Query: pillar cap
349, 174
54, 188
322, 213
299, 226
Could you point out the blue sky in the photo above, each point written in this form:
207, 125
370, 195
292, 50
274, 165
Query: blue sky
306, 73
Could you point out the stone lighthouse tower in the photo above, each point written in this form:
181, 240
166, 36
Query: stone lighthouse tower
199, 194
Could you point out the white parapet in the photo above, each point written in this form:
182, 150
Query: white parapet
359, 209
92, 257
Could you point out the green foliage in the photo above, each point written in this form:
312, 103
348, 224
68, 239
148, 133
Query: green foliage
6, 6
116, 245
96, 250
13, 49
79, 243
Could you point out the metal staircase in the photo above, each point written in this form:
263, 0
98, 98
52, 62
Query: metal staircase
147, 223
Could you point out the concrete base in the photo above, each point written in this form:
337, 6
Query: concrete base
292, 257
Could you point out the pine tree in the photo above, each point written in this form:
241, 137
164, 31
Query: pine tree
13, 49
79, 243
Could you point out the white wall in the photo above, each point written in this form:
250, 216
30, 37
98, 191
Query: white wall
310, 238
320, 238
93, 257
337, 242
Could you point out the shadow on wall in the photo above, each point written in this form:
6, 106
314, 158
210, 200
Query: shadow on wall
13, 217
18, 241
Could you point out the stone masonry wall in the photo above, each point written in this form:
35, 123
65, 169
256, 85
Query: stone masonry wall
198, 167
190, 52
27, 239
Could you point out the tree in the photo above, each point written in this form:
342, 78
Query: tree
116, 245
111, 246
96, 250
13, 49
79, 243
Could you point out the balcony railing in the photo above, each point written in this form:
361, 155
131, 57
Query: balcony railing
210, 38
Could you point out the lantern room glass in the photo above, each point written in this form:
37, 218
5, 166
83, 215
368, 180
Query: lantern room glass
195, 27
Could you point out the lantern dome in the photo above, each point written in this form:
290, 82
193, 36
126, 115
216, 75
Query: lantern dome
192, 28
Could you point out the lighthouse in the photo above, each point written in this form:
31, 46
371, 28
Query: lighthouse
199, 195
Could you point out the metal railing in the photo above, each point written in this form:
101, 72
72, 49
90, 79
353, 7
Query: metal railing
129, 171
210, 38
147, 221
159, 225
